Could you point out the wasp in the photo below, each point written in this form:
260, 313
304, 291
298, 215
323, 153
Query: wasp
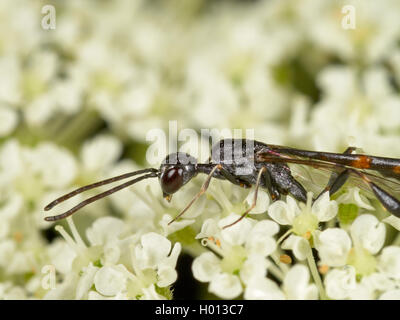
248, 163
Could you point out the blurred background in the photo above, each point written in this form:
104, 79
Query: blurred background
77, 101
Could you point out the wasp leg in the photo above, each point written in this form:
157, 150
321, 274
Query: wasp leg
337, 180
298, 191
271, 187
253, 205
203, 189
282, 178
349, 150
389, 202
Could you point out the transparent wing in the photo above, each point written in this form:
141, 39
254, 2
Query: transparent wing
314, 175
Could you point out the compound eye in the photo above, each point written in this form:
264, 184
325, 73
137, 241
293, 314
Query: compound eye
172, 180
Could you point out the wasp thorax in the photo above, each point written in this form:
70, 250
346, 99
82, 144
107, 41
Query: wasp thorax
175, 171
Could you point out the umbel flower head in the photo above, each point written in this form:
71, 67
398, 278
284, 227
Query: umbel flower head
240, 254
116, 265
77, 104
303, 219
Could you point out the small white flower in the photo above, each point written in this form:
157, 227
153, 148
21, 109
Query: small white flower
368, 232
263, 289
389, 262
109, 281
333, 246
173, 227
206, 266
99, 153
295, 286
262, 201
104, 230
150, 293
61, 256
85, 281
155, 253
352, 195
102, 264
339, 282
303, 218
226, 286
299, 245
358, 258
243, 248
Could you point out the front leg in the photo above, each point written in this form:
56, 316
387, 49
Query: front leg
253, 205
271, 187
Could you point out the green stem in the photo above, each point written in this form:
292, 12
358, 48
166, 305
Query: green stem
315, 274
276, 271
284, 236
396, 241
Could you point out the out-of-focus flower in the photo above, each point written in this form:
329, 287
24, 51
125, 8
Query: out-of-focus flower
295, 287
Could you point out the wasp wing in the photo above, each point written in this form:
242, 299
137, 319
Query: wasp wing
315, 174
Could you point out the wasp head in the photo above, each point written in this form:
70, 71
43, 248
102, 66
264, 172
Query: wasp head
175, 171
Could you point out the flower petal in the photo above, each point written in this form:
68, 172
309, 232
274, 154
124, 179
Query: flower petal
254, 267
340, 282
208, 229
281, 212
393, 221
296, 284
85, 281
389, 262
262, 201
324, 208
206, 266
154, 250
353, 196
166, 276
173, 227
299, 245
109, 281
236, 234
368, 232
333, 246
226, 286
104, 230
263, 289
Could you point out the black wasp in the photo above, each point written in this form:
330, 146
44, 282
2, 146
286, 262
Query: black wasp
248, 162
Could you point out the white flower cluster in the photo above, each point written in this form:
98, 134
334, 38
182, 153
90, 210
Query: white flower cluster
77, 102
116, 265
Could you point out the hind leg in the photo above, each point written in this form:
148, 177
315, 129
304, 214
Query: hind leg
271, 187
337, 180
282, 178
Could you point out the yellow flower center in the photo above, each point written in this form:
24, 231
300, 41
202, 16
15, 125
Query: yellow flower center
233, 259
362, 260
304, 223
